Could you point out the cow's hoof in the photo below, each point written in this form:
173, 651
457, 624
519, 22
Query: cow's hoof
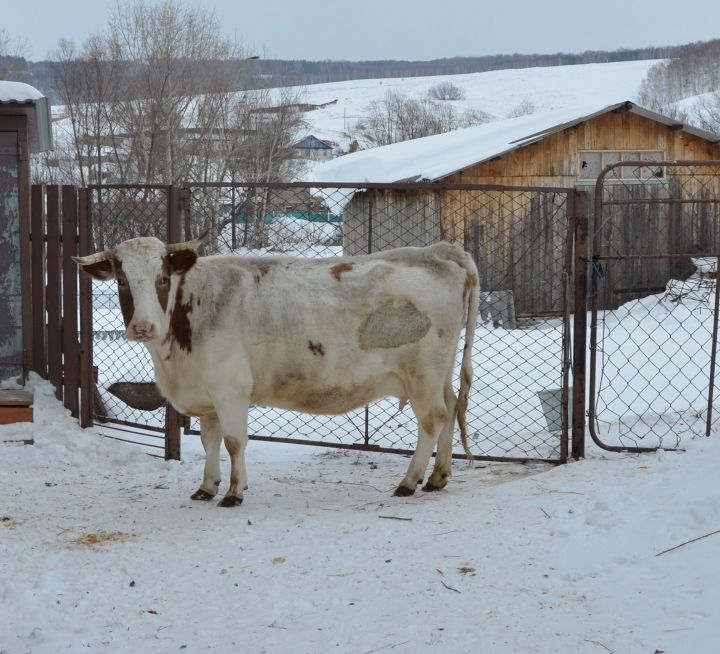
203, 495
230, 500
429, 487
402, 491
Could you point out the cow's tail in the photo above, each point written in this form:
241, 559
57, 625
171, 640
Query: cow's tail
471, 297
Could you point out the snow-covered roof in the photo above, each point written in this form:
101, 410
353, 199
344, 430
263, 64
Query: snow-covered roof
18, 92
18, 98
436, 157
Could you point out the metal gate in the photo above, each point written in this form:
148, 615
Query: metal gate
653, 338
521, 238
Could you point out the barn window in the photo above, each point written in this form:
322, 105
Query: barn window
592, 162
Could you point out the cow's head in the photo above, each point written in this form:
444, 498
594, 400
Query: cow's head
150, 277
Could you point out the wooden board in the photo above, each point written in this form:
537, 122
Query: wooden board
15, 398
12, 414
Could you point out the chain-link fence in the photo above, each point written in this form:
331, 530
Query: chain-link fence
656, 242
520, 238
127, 405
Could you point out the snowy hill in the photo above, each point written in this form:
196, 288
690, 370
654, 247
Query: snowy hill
496, 92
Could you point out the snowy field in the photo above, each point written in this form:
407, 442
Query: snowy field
497, 93
101, 550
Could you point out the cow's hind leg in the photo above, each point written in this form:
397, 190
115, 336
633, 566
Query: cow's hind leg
430, 423
443, 458
210, 435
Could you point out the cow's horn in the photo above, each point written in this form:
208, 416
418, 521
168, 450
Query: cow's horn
187, 245
97, 257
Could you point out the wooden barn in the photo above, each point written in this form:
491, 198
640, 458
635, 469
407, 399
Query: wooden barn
515, 237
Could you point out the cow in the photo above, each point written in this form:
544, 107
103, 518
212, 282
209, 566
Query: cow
322, 336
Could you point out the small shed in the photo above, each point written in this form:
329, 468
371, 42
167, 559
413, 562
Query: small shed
564, 148
25, 127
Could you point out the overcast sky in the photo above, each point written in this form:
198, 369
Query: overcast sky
401, 29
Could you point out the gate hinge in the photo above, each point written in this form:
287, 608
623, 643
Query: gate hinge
595, 265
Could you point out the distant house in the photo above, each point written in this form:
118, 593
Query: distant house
314, 149
565, 148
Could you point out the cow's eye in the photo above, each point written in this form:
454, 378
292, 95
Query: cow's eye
122, 282
163, 280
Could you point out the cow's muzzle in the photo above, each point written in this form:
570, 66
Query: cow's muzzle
141, 330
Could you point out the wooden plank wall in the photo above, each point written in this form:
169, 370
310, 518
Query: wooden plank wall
54, 290
376, 220
633, 228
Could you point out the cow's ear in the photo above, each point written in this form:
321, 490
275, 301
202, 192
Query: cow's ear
181, 261
101, 270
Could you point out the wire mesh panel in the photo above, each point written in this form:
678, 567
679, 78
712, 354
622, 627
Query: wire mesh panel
125, 391
656, 240
519, 239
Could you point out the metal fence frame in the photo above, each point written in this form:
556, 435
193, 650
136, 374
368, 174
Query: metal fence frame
606, 252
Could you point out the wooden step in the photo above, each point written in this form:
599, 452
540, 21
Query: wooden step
15, 406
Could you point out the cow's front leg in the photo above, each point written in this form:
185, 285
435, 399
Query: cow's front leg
210, 435
233, 421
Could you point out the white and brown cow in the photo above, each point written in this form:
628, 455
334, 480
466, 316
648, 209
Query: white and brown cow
322, 336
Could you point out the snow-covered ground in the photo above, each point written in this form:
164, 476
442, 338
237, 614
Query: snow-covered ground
101, 550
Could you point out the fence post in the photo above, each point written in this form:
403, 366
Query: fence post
70, 346
371, 208
173, 420
86, 379
580, 204
54, 301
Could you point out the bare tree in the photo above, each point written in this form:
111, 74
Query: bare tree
446, 91
154, 99
706, 112
398, 117
12, 54
523, 108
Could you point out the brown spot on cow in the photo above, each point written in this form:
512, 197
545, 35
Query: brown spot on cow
262, 270
180, 331
337, 270
316, 349
392, 324
127, 304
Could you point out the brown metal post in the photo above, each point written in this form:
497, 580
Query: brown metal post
87, 382
71, 347
54, 302
173, 425
713, 356
38, 272
566, 330
173, 420
581, 205
369, 251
